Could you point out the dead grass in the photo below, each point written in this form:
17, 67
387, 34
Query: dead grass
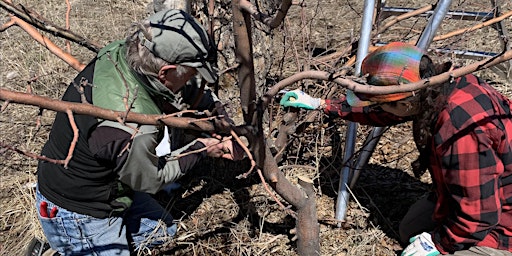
219, 214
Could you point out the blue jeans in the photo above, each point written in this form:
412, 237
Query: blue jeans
71, 233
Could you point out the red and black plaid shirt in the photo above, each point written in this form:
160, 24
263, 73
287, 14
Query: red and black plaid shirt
471, 164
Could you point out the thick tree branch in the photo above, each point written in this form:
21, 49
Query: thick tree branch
88, 109
365, 88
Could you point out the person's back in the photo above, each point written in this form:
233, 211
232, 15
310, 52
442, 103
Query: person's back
86, 184
471, 165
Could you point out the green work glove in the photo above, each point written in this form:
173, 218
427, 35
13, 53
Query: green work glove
299, 99
421, 245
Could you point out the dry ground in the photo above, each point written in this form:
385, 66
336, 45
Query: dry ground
219, 214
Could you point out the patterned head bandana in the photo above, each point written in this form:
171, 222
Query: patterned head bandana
392, 64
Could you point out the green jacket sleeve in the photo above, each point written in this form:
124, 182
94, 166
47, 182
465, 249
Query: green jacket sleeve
143, 170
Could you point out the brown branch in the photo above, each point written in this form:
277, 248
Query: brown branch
253, 114
249, 155
68, 58
365, 88
473, 28
88, 109
307, 213
271, 22
307, 224
38, 121
265, 186
403, 17
4, 106
45, 26
68, 10
244, 55
211, 11
7, 25
32, 155
75, 138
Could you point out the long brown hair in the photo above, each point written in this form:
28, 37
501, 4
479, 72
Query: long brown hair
431, 100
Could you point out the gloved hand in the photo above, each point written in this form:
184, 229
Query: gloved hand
421, 245
299, 99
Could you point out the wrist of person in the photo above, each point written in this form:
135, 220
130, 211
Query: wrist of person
322, 104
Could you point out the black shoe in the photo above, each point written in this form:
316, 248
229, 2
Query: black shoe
37, 247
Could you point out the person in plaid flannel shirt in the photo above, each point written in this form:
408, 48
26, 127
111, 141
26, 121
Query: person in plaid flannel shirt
463, 131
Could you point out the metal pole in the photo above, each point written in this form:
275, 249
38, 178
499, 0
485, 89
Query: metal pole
433, 24
374, 136
366, 152
351, 134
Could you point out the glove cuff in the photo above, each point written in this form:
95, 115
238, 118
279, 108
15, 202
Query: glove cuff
315, 103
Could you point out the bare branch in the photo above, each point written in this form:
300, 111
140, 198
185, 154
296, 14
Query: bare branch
88, 109
26, 16
75, 138
369, 89
32, 155
7, 25
271, 22
68, 10
68, 58
403, 17
473, 28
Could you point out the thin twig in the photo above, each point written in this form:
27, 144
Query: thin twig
403, 17
224, 139
75, 138
4, 106
473, 28
265, 185
249, 155
7, 25
180, 113
68, 10
32, 155
205, 119
46, 26
126, 96
68, 58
